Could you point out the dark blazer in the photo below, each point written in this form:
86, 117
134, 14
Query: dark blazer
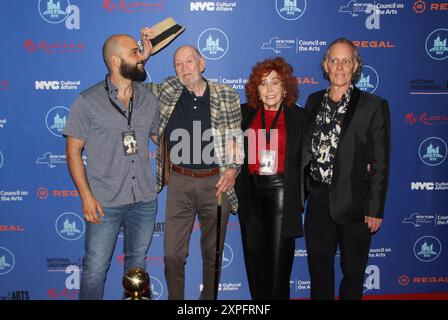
361, 168
292, 214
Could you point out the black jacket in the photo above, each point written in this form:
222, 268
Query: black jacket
361, 168
292, 215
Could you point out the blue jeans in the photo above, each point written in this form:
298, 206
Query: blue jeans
138, 221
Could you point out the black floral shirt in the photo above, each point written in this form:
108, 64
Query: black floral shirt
325, 138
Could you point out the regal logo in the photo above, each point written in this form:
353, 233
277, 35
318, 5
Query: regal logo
373, 44
11, 228
420, 6
306, 80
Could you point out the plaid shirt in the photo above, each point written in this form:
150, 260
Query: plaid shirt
225, 116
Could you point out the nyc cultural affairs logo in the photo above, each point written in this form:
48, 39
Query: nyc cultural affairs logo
432, 151
213, 43
368, 80
436, 44
69, 226
56, 119
7, 261
427, 249
56, 12
290, 9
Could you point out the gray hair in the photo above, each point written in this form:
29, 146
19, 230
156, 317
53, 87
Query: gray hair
355, 55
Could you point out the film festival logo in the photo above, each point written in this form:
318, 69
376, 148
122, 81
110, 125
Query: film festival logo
7, 261
56, 119
290, 9
412, 119
132, 7
368, 80
69, 226
427, 248
436, 44
56, 47
52, 12
213, 43
432, 151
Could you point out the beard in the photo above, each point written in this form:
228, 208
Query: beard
132, 72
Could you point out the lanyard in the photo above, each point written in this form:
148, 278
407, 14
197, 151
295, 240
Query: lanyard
263, 123
130, 106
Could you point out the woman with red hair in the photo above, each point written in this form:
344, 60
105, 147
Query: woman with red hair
268, 186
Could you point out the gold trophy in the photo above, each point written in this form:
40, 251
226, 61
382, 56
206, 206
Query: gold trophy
136, 284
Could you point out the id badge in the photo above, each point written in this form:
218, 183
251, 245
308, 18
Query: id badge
268, 166
129, 143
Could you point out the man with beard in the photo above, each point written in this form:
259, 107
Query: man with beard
117, 189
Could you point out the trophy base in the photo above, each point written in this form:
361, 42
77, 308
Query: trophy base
137, 298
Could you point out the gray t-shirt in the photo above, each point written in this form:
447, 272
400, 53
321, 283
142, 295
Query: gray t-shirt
114, 178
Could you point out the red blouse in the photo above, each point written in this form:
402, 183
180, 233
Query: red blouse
257, 138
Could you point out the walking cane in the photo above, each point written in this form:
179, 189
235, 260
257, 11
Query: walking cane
218, 242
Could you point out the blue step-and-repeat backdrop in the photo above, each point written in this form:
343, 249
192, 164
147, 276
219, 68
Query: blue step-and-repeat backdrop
51, 51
